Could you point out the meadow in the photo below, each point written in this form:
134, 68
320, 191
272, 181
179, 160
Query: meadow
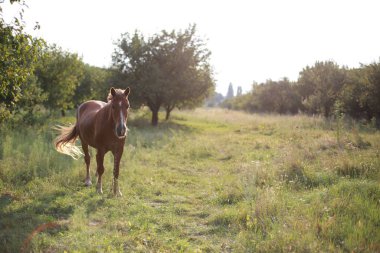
207, 180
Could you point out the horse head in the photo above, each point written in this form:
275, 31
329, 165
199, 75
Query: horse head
119, 103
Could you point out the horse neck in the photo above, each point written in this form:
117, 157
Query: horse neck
107, 115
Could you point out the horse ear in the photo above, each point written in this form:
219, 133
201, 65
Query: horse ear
112, 91
126, 92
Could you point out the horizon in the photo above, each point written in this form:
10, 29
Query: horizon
249, 41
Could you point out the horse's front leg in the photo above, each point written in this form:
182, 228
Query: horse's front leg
100, 170
115, 184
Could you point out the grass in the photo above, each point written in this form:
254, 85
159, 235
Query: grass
205, 181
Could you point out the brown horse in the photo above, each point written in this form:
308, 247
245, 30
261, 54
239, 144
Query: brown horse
102, 126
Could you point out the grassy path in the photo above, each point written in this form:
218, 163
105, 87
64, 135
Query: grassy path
206, 181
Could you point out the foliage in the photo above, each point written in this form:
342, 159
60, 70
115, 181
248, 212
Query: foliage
353, 94
183, 60
29, 109
269, 97
214, 99
360, 95
59, 73
18, 55
134, 61
320, 86
94, 84
170, 69
205, 181
318, 90
373, 93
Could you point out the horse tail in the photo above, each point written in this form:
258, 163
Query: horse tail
65, 142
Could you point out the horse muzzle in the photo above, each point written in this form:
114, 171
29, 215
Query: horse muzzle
121, 131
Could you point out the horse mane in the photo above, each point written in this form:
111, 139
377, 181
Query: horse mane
118, 92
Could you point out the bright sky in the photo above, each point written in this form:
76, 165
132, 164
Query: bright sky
249, 40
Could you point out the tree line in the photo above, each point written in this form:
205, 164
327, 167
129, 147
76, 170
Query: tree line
166, 70
324, 88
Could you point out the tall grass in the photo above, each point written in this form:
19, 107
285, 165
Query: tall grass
204, 181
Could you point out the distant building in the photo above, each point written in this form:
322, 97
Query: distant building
239, 91
230, 92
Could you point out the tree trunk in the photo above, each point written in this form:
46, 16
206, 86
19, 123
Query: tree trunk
63, 113
167, 114
154, 106
168, 109
326, 111
1, 147
155, 117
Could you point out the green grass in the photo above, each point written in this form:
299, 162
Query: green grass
205, 181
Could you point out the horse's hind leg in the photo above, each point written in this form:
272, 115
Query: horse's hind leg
87, 160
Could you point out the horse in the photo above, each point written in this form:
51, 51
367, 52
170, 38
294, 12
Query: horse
102, 126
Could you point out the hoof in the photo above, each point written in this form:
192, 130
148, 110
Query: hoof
88, 182
117, 194
99, 189
115, 188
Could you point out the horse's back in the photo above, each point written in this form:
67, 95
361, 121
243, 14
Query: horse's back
89, 107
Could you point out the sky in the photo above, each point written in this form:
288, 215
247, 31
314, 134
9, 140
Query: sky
250, 40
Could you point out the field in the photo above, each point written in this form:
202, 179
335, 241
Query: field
205, 181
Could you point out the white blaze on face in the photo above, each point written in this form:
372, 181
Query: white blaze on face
122, 121
121, 115
121, 126
121, 118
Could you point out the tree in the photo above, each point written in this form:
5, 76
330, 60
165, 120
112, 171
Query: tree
29, 109
133, 58
353, 94
320, 86
373, 94
230, 92
185, 61
93, 85
168, 69
18, 55
276, 96
360, 94
59, 73
214, 100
